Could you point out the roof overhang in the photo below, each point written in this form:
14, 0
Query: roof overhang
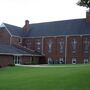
13, 54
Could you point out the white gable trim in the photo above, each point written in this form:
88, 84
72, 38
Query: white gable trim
7, 29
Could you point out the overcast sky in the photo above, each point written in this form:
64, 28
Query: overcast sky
17, 11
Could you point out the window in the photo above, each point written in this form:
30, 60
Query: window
86, 45
73, 60
29, 45
50, 61
49, 46
38, 43
56, 61
74, 45
61, 46
61, 61
20, 40
85, 60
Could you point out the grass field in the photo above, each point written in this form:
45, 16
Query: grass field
66, 77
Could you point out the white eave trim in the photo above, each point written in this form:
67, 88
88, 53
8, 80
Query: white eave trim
16, 36
57, 36
7, 29
19, 54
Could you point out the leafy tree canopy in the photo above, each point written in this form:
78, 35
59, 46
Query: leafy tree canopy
84, 3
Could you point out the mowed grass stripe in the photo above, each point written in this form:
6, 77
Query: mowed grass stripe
72, 77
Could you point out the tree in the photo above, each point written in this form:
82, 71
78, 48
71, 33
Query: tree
84, 3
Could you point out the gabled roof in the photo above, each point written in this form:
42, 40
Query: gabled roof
10, 49
66, 27
14, 30
56, 28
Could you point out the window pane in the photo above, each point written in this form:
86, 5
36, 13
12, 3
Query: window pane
49, 46
73, 60
61, 46
74, 45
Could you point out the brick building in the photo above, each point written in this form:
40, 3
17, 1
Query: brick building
58, 42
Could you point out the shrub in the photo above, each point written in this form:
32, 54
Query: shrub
11, 65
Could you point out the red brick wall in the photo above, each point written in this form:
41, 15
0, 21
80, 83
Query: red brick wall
6, 60
25, 60
31, 60
86, 54
59, 54
55, 54
4, 36
78, 54
16, 40
31, 43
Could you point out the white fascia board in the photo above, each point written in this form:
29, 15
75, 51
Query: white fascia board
19, 54
58, 36
7, 29
16, 36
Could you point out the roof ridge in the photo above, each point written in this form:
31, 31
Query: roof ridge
56, 21
12, 25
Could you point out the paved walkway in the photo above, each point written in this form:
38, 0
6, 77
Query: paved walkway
45, 65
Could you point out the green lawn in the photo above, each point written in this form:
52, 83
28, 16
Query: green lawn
70, 77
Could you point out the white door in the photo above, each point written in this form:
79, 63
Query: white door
16, 60
85, 61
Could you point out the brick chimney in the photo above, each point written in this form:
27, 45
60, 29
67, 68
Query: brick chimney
88, 16
26, 26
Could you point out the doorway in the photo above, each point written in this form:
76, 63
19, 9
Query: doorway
16, 59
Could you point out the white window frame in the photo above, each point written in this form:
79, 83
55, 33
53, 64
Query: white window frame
61, 43
74, 60
86, 60
86, 45
50, 60
61, 60
20, 40
74, 45
49, 46
38, 45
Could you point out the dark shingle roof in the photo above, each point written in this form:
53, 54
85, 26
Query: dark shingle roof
14, 30
66, 27
56, 28
10, 49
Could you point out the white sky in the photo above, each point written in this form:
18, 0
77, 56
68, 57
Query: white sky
17, 11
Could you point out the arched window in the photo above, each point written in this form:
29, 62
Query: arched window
74, 45
62, 44
50, 61
86, 45
49, 46
38, 45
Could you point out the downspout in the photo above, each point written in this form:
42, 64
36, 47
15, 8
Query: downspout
66, 50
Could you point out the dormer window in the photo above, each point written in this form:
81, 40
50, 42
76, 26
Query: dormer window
49, 46
61, 43
74, 45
